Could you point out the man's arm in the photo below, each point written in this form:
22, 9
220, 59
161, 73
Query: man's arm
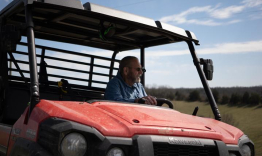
143, 90
148, 99
113, 92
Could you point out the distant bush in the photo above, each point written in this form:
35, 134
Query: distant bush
166, 92
254, 99
179, 96
170, 95
235, 99
245, 98
194, 96
232, 95
225, 99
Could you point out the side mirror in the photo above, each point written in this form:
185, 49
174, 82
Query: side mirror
208, 68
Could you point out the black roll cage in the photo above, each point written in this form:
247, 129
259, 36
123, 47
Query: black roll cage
131, 35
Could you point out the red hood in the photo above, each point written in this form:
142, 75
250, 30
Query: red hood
126, 120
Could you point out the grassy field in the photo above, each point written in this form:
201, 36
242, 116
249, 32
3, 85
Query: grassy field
248, 119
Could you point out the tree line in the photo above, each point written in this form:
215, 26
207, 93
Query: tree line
222, 95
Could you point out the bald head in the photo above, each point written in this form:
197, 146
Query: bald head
126, 62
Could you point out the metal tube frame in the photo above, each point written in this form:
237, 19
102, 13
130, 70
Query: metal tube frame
112, 64
3, 73
91, 68
142, 61
34, 84
202, 76
12, 59
66, 60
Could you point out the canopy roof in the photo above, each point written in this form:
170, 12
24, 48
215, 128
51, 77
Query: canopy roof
71, 22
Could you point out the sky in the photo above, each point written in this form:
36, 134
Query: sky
230, 33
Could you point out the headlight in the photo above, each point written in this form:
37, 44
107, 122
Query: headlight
246, 150
73, 144
115, 152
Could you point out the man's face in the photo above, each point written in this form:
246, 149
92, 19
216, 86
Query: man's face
134, 72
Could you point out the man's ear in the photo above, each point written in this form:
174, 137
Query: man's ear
125, 70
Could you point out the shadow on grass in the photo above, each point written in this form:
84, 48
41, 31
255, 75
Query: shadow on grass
230, 105
207, 103
258, 107
240, 105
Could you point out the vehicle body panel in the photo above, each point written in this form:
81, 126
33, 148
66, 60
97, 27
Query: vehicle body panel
116, 119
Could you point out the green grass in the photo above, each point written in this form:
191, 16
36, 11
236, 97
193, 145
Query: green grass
248, 119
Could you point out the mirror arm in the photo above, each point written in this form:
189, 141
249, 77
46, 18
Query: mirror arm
34, 97
142, 60
203, 79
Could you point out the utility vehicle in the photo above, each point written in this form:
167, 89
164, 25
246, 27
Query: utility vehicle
45, 112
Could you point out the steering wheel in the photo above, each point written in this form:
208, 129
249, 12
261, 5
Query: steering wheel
161, 101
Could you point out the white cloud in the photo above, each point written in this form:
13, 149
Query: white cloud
252, 3
196, 10
225, 13
233, 21
207, 22
216, 12
182, 17
225, 48
7, 1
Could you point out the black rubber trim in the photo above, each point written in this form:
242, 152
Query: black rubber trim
87, 6
143, 145
120, 141
188, 34
222, 148
23, 147
233, 148
158, 24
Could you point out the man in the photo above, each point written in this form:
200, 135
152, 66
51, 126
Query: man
126, 85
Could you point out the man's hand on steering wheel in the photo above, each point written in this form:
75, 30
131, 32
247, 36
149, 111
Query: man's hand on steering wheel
150, 100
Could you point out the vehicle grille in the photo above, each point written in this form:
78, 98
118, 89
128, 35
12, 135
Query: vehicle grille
161, 149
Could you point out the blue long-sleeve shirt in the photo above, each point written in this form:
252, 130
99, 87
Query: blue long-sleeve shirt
118, 90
